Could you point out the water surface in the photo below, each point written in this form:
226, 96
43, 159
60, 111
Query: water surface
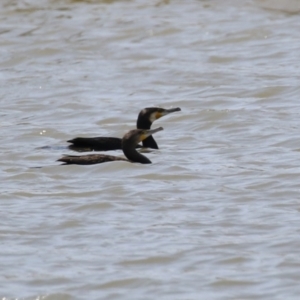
216, 216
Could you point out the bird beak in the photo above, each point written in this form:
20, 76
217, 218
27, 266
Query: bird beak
149, 132
166, 112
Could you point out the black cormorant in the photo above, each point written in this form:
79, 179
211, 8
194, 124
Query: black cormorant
145, 119
129, 142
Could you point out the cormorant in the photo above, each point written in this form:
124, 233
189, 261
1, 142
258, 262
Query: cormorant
129, 142
145, 119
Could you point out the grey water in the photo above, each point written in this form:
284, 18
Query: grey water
216, 215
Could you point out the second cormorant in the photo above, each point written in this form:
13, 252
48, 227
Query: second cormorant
145, 119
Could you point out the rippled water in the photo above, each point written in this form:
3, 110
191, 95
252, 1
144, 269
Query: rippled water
216, 216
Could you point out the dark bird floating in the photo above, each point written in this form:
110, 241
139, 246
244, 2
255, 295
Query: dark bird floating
128, 142
145, 119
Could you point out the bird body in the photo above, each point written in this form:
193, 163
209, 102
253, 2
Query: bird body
89, 159
96, 143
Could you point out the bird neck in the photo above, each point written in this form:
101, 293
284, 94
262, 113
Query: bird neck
135, 156
143, 123
149, 142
